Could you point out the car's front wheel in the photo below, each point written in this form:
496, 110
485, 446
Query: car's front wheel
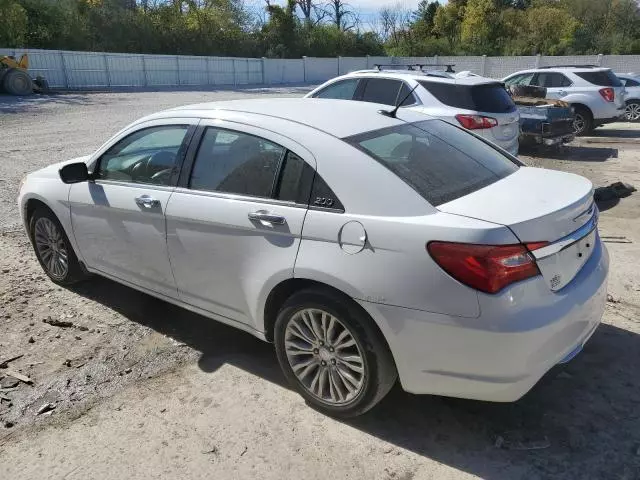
53, 249
632, 111
332, 353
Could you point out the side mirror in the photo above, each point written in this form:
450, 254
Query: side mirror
75, 173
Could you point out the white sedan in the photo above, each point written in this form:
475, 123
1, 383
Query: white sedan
367, 247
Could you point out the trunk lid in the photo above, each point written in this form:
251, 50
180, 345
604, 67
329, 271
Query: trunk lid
540, 205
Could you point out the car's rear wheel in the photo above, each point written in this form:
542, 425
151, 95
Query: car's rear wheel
53, 249
632, 111
582, 121
332, 354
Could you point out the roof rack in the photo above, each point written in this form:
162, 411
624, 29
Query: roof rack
570, 66
412, 67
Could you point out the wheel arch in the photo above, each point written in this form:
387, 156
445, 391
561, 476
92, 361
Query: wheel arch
285, 289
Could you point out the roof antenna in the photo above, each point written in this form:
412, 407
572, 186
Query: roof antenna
394, 112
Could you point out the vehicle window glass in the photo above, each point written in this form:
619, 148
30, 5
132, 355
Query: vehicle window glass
488, 97
342, 90
523, 79
602, 78
295, 180
628, 82
552, 80
381, 90
404, 91
146, 156
438, 160
236, 162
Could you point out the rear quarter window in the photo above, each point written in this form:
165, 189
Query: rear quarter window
489, 98
439, 161
601, 78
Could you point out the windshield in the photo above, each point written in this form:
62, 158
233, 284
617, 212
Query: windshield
438, 160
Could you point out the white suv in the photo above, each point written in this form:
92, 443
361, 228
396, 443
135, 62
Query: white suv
631, 82
476, 103
596, 94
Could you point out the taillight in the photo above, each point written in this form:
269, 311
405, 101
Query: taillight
476, 122
608, 94
488, 268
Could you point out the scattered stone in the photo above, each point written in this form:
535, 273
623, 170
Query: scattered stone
31, 340
31, 324
58, 335
612, 299
57, 323
19, 376
5, 270
214, 450
82, 328
47, 407
78, 337
67, 363
128, 370
8, 424
9, 382
5, 363
244, 451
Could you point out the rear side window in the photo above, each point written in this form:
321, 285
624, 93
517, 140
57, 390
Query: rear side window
342, 90
522, 79
381, 90
438, 160
489, 98
602, 78
628, 82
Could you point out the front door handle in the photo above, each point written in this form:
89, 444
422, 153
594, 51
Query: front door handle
147, 201
267, 217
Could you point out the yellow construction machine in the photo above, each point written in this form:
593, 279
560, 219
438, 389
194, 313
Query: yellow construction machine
14, 78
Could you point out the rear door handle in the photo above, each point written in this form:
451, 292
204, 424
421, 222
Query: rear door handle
267, 217
147, 201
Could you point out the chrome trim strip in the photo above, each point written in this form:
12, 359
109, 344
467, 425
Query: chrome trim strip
243, 198
567, 241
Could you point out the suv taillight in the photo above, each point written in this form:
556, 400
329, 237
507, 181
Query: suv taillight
476, 122
488, 268
608, 94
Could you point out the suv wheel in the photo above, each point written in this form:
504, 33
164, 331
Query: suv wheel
332, 354
632, 111
582, 121
53, 249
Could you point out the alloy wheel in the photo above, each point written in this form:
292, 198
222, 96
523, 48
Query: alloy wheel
51, 247
324, 356
632, 112
579, 123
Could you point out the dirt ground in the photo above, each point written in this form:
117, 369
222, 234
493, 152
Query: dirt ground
137, 388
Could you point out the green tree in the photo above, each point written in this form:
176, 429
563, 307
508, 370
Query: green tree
478, 28
447, 22
14, 24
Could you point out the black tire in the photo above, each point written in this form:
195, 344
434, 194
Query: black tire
633, 111
379, 367
74, 271
583, 121
18, 82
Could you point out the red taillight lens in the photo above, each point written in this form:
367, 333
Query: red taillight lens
488, 268
476, 122
608, 94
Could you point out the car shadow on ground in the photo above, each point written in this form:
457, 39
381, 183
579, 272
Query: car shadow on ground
572, 152
581, 421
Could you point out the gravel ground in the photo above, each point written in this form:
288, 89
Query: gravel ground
143, 389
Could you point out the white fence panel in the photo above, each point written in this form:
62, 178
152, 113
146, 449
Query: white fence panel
351, 64
319, 70
279, 71
125, 70
66, 69
622, 63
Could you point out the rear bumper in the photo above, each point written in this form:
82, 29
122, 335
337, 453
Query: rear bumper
521, 334
620, 113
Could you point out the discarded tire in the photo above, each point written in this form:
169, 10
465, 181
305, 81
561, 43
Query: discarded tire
527, 91
18, 82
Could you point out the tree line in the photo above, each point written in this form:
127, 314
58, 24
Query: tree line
323, 28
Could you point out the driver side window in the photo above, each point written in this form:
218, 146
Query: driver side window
146, 156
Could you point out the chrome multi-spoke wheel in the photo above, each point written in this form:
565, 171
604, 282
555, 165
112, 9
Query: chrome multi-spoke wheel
632, 112
51, 247
324, 356
579, 123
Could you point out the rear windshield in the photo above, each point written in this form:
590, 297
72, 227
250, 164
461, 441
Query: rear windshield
603, 78
438, 160
489, 98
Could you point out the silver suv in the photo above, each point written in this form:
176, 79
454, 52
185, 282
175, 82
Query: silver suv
596, 94
475, 103
631, 83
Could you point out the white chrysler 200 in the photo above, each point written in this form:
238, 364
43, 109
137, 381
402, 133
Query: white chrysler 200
368, 245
